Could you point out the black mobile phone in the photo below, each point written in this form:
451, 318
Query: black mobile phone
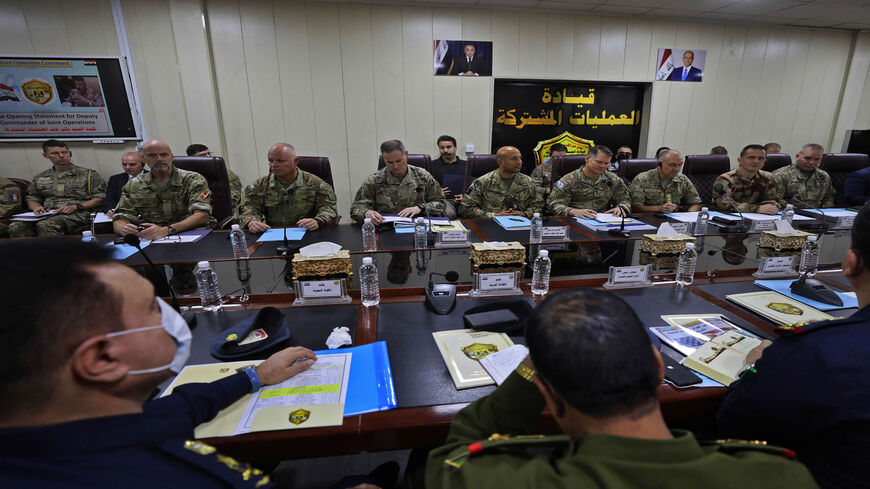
678, 374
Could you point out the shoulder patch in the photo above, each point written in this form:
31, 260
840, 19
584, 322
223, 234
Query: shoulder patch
205, 194
560, 184
731, 445
497, 441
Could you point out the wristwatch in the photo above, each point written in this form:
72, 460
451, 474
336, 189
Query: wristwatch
421, 207
172, 230
80, 207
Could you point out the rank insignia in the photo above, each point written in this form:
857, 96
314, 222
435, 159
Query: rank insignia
199, 447
232, 337
205, 195
786, 308
299, 416
37, 91
476, 351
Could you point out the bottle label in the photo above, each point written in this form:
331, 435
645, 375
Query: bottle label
554, 232
320, 288
497, 281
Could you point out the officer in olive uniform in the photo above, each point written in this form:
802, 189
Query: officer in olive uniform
10, 203
393, 189
71, 191
287, 195
747, 187
502, 192
662, 189
590, 189
803, 184
165, 201
604, 399
541, 175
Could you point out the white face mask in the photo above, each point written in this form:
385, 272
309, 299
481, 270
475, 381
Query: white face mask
177, 327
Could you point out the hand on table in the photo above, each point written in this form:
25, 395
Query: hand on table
409, 211
375, 216
258, 227
285, 364
309, 224
583, 213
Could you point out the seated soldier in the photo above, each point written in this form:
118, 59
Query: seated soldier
502, 192
803, 184
592, 364
542, 174
590, 189
235, 182
662, 189
747, 187
10, 203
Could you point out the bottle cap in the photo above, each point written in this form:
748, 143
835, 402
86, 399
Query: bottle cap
367, 260
811, 238
202, 265
544, 253
368, 220
789, 207
704, 209
420, 220
536, 214
690, 246
235, 227
87, 234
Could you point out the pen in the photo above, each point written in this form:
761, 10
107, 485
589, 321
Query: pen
515, 219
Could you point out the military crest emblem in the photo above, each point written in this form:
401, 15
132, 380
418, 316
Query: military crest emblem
786, 308
37, 91
576, 146
476, 351
299, 416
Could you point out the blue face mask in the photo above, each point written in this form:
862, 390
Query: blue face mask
177, 327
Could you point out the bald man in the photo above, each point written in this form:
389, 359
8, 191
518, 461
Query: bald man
132, 164
502, 192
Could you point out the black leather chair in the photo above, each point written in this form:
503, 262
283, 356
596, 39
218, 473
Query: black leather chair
318, 165
214, 169
478, 165
776, 161
839, 166
702, 170
628, 169
419, 160
563, 165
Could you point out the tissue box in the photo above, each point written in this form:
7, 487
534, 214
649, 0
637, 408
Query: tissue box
657, 245
659, 262
772, 253
336, 265
512, 253
782, 241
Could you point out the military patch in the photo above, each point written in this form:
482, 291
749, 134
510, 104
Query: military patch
299, 416
14, 197
205, 195
476, 351
786, 308
199, 447
560, 184
37, 91
232, 337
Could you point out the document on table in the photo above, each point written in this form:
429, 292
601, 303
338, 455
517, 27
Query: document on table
500, 364
185, 237
31, 217
693, 216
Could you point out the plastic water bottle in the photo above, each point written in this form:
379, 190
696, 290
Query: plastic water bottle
788, 213
701, 222
810, 256
240, 252
541, 273
420, 233
686, 268
87, 237
209, 290
536, 231
370, 241
369, 287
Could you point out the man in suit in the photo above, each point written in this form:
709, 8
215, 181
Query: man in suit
687, 72
133, 167
471, 64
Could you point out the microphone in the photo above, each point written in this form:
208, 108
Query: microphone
285, 248
429, 234
133, 240
727, 225
93, 217
819, 225
621, 232
450, 276
815, 290
441, 297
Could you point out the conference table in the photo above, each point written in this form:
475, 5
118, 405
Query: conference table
426, 397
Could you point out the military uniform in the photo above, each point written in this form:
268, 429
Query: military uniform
541, 176
810, 390
383, 192
73, 186
10, 203
488, 195
747, 194
648, 188
265, 201
577, 191
813, 188
514, 459
150, 449
235, 189
185, 193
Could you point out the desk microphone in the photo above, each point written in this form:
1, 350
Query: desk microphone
285, 248
429, 234
815, 290
621, 232
133, 240
818, 225
442, 297
727, 225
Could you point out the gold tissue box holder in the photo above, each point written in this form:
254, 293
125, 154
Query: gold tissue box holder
327, 266
512, 253
657, 245
782, 241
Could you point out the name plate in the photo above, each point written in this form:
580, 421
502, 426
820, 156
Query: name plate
776, 264
635, 276
321, 288
558, 232
766, 225
845, 222
498, 281
680, 227
453, 236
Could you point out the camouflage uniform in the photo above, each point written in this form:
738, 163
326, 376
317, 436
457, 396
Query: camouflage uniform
74, 186
235, 189
187, 191
577, 191
747, 194
264, 201
383, 192
814, 188
541, 176
10, 203
647, 188
488, 195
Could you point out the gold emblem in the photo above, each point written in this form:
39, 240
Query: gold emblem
786, 308
199, 447
299, 416
37, 91
476, 351
575, 145
232, 337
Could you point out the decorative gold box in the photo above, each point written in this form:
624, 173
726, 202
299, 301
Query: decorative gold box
327, 266
772, 253
486, 254
659, 262
782, 241
657, 245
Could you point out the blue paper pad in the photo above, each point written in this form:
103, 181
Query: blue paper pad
370, 385
783, 287
277, 234
509, 222
407, 229
123, 251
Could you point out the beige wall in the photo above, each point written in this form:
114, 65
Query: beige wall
337, 79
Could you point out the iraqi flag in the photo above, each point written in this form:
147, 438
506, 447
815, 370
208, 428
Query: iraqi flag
443, 60
666, 65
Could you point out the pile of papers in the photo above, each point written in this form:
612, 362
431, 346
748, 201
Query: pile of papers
605, 222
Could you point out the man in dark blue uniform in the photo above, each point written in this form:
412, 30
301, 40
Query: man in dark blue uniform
810, 390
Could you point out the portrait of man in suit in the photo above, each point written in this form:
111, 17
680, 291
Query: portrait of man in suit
471, 64
687, 72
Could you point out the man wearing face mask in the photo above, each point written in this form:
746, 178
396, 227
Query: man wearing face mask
91, 344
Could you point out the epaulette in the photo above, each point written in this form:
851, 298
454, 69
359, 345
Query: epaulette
497, 441
731, 445
801, 328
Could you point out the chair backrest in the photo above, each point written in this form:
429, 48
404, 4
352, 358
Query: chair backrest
839, 166
478, 165
628, 169
563, 165
214, 169
702, 170
776, 161
420, 160
22, 184
318, 165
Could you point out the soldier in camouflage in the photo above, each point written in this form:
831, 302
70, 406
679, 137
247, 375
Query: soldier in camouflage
287, 195
803, 183
749, 187
165, 201
11, 202
541, 174
502, 192
393, 189
71, 191
590, 189
662, 189
235, 182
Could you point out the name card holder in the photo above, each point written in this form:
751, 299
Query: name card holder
314, 292
455, 238
681, 227
776, 267
495, 284
628, 277
845, 222
554, 233
762, 225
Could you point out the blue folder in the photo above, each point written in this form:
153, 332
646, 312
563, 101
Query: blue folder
123, 251
277, 234
784, 288
513, 222
370, 385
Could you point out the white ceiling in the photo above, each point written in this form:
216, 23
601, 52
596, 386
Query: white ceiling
837, 14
